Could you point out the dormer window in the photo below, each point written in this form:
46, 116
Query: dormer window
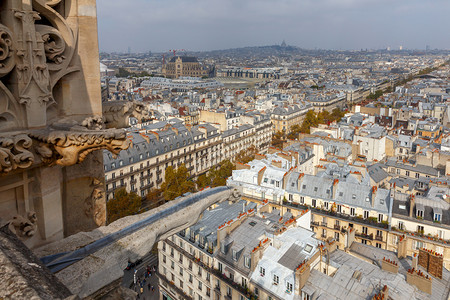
234, 255
419, 213
247, 262
276, 279
262, 271
437, 216
288, 287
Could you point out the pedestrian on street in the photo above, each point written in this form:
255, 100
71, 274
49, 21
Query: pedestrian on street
148, 286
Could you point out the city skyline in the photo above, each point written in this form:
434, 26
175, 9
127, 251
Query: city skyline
214, 25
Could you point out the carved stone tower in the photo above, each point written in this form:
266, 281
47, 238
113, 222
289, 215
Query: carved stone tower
51, 119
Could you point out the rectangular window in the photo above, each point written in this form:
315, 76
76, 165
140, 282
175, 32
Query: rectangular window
262, 271
366, 214
380, 218
336, 236
437, 217
313, 202
352, 211
276, 279
364, 229
325, 205
289, 287
407, 173
418, 245
420, 229
401, 225
247, 262
291, 197
378, 245
339, 208
302, 200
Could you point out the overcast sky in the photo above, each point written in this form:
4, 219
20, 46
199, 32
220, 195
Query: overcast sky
161, 25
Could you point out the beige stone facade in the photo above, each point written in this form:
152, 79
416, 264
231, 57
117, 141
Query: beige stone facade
183, 66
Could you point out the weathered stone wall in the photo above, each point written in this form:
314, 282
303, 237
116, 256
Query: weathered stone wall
51, 119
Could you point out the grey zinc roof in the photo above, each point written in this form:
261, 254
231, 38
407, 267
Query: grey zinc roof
168, 141
350, 193
358, 279
418, 168
377, 173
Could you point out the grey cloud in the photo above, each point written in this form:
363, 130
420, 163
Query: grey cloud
159, 25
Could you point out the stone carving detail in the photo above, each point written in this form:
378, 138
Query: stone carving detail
95, 204
118, 113
33, 74
72, 146
54, 44
235, 195
14, 152
6, 51
94, 123
23, 227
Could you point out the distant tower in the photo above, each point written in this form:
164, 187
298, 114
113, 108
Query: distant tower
388, 48
283, 44
400, 48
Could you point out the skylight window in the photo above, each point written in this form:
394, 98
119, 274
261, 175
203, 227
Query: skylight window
308, 248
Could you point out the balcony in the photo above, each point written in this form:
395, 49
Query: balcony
324, 224
379, 237
174, 287
364, 236
324, 236
148, 185
341, 216
337, 227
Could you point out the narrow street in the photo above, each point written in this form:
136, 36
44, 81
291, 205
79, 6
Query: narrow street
150, 260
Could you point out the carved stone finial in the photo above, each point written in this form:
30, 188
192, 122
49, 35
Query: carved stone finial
118, 113
23, 227
234, 196
95, 203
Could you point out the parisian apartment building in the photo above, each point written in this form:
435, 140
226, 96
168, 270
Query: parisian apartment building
157, 146
354, 202
250, 250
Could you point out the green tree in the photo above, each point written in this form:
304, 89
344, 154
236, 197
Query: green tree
123, 204
176, 182
154, 198
246, 155
278, 140
203, 181
219, 175
123, 73
309, 121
